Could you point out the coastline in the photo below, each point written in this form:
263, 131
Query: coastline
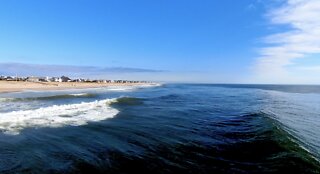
19, 86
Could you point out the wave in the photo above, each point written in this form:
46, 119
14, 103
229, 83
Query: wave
53, 97
298, 136
132, 87
5, 99
262, 126
120, 88
57, 116
129, 101
266, 125
151, 85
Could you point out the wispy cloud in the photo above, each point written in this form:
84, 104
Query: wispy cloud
300, 40
311, 69
58, 70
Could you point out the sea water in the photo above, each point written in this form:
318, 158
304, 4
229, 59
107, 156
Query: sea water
173, 128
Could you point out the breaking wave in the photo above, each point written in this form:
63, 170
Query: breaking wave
57, 116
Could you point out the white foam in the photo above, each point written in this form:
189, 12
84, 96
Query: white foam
131, 88
79, 94
151, 85
6, 99
3, 99
57, 116
120, 88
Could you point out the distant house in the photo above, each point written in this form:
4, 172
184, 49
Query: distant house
55, 79
42, 79
59, 79
65, 79
105, 81
78, 80
3, 78
87, 80
33, 79
10, 78
36, 79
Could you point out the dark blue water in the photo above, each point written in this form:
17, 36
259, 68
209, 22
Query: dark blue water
174, 128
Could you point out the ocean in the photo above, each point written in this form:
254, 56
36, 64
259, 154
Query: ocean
172, 128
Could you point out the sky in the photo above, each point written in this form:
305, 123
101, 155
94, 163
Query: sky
207, 41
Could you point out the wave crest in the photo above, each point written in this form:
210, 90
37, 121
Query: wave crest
57, 116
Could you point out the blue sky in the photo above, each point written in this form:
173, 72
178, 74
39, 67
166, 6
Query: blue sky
182, 40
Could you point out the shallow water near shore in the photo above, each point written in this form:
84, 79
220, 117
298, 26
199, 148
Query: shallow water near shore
174, 128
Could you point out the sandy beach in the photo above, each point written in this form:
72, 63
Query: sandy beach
17, 86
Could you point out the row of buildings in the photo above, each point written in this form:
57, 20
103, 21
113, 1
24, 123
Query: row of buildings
36, 79
62, 79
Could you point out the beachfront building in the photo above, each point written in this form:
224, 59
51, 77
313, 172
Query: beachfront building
59, 79
3, 77
9, 78
78, 80
55, 79
65, 79
36, 79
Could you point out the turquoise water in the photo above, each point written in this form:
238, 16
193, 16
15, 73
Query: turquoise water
174, 128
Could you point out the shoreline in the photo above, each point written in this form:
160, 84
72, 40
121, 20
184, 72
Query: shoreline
20, 86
